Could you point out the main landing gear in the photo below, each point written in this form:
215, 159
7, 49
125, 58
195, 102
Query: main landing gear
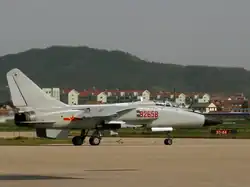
95, 138
168, 140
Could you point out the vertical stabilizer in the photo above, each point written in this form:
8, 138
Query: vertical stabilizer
16, 96
24, 92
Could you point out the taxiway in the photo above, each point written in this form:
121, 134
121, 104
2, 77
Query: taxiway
135, 162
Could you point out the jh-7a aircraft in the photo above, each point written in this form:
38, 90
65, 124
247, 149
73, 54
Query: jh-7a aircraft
53, 119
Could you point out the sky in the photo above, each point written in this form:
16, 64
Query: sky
188, 32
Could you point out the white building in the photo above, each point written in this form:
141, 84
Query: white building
48, 91
56, 93
102, 97
73, 97
181, 99
204, 99
53, 92
146, 95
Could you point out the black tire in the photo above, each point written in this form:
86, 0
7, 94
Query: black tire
77, 140
168, 141
94, 140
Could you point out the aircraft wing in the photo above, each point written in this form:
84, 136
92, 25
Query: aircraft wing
37, 122
104, 113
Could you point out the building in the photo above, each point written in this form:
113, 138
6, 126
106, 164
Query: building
73, 97
54, 92
233, 105
102, 97
204, 98
120, 96
145, 95
237, 96
204, 107
93, 95
180, 99
48, 91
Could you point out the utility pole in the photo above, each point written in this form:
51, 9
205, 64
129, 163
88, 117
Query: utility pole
174, 94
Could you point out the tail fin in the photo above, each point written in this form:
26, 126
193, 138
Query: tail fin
25, 93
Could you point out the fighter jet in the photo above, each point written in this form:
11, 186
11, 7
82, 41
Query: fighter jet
53, 119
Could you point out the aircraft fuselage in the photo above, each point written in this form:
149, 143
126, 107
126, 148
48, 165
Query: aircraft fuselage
150, 116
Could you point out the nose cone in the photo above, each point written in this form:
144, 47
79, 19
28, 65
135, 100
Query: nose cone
210, 121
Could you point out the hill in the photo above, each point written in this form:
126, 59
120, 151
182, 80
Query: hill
84, 67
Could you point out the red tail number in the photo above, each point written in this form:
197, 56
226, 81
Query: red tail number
149, 114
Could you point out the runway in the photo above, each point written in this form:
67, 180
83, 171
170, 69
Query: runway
135, 162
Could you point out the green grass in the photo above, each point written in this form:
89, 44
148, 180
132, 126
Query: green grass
10, 126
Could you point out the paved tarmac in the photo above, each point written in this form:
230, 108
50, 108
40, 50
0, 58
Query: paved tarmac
136, 162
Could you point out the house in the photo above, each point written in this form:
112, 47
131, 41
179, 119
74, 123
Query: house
145, 95
204, 107
237, 96
114, 96
56, 93
204, 98
53, 92
73, 97
233, 105
181, 98
47, 91
85, 97
102, 97
160, 96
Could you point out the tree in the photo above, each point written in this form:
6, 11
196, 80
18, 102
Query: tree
219, 108
245, 104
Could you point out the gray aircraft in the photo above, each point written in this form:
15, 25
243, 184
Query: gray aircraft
53, 119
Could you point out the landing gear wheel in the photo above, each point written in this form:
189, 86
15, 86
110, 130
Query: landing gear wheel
94, 140
77, 140
168, 141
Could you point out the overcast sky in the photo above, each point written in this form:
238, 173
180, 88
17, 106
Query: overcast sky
215, 32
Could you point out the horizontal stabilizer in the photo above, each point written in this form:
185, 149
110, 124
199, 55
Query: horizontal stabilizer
37, 122
52, 133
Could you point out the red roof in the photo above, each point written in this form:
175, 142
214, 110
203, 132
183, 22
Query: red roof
125, 91
87, 93
84, 93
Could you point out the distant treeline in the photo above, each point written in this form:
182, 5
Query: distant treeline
84, 67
